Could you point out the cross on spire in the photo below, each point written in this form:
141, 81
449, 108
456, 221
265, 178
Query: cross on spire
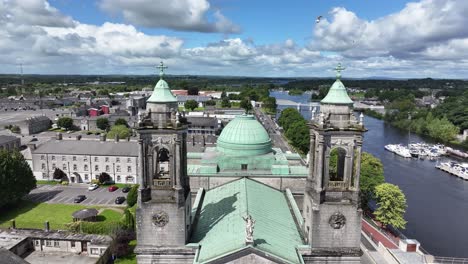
161, 68
338, 70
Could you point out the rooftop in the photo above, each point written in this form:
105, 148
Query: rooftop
244, 136
5, 139
88, 147
220, 230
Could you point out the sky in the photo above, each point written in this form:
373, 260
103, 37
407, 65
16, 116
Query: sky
263, 38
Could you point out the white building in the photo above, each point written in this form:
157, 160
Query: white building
84, 160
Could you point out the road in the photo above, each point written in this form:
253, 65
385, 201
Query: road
273, 130
59, 194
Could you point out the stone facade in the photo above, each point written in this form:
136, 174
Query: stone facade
9, 142
163, 215
34, 125
331, 210
86, 161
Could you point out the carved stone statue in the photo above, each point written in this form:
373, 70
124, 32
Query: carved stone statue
249, 228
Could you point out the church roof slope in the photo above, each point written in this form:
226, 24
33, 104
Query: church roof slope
220, 230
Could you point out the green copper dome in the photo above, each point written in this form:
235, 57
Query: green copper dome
244, 136
337, 94
162, 93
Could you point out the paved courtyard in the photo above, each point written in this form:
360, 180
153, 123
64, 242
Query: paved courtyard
66, 194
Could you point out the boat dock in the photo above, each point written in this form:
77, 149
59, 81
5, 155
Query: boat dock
456, 169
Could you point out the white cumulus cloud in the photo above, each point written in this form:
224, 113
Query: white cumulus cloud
183, 15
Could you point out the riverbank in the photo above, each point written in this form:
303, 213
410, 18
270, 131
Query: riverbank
407, 126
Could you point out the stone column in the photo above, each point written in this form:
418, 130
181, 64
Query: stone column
358, 162
318, 167
141, 165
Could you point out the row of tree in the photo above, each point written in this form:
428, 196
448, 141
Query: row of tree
295, 129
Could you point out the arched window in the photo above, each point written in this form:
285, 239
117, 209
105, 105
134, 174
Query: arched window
337, 164
163, 155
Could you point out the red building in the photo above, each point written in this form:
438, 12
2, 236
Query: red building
94, 112
105, 109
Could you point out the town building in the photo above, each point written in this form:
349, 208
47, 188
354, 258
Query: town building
200, 99
203, 125
84, 160
245, 220
47, 246
34, 125
9, 142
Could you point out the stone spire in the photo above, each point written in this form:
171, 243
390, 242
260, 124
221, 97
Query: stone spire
337, 93
162, 93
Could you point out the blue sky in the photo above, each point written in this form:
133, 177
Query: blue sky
426, 38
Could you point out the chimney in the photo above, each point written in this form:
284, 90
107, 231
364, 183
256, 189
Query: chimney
78, 137
102, 137
58, 136
116, 138
46, 226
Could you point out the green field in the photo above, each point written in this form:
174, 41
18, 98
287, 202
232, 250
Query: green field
33, 215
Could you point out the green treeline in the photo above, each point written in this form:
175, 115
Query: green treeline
295, 129
442, 123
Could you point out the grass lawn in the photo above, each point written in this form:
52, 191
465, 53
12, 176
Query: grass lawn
33, 215
110, 215
48, 182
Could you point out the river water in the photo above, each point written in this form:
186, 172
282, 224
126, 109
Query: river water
437, 212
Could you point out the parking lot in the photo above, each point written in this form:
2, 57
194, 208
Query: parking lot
66, 194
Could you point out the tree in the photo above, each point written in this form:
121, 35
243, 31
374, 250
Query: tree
102, 123
246, 105
65, 122
372, 175
15, 129
210, 102
104, 177
225, 103
132, 196
121, 130
16, 177
289, 116
191, 104
59, 174
299, 135
270, 104
223, 95
391, 205
121, 121
192, 91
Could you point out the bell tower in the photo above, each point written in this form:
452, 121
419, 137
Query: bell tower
164, 205
332, 214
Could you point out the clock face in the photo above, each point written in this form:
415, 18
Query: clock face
160, 218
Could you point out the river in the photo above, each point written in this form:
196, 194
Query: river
437, 212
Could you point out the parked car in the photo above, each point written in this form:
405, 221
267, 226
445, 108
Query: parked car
113, 188
93, 187
119, 200
126, 189
79, 198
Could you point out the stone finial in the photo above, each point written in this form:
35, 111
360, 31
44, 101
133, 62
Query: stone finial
249, 229
322, 118
338, 70
313, 114
161, 68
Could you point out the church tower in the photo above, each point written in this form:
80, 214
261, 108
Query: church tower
332, 213
164, 205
